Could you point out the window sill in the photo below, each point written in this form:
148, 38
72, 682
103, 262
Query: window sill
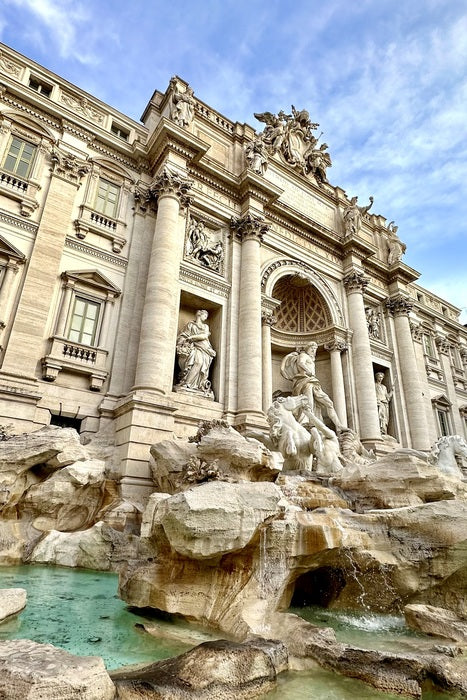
75, 358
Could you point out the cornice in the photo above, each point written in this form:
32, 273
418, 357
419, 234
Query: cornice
169, 136
209, 281
328, 245
254, 185
95, 252
23, 106
18, 222
199, 174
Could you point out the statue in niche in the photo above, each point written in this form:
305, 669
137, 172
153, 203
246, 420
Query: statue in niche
182, 107
291, 136
373, 319
256, 154
353, 216
299, 367
396, 248
201, 247
195, 355
383, 397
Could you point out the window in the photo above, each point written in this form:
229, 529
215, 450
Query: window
107, 198
84, 319
19, 157
119, 131
443, 422
40, 87
428, 345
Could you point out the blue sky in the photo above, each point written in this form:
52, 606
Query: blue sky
386, 80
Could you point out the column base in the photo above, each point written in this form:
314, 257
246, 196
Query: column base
251, 420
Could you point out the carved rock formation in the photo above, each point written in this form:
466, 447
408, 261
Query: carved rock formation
438, 622
12, 601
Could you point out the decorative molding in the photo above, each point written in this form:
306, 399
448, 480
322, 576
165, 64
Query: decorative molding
417, 332
68, 166
339, 345
442, 344
9, 66
268, 318
207, 281
95, 252
80, 105
18, 223
173, 183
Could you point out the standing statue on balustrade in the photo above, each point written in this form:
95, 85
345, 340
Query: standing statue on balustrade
383, 397
352, 216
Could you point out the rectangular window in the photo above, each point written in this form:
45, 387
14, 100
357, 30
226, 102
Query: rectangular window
107, 198
443, 422
428, 345
119, 131
19, 157
40, 87
84, 320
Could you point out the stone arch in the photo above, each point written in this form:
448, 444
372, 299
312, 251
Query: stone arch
297, 269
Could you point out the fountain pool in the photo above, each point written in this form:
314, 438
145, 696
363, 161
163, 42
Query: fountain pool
79, 610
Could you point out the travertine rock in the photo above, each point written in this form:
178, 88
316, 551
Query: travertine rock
212, 519
32, 671
12, 601
210, 671
436, 621
67, 500
308, 494
99, 547
397, 480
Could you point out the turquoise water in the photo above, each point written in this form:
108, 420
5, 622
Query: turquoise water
79, 610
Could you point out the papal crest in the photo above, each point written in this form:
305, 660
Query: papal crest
291, 136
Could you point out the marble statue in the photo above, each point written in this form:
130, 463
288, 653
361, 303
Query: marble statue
299, 368
195, 355
182, 105
291, 136
383, 397
353, 216
373, 319
396, 248
201, 246
256, 154
444, 452
303, 448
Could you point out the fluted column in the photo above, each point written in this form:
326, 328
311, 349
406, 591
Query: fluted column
268, 320
154, 369
355, 282
5, 290
337, 377
64, 309
250, 229
400, 307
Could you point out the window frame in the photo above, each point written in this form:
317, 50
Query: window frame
88, 300
18, 158
98, 198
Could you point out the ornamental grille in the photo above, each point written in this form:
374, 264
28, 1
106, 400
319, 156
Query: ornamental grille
302, 308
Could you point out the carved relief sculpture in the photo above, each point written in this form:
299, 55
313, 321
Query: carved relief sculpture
202, 247
383, 397
353, 216
373, 319
291, 136
195, 355
182, 107
299, 367
396, 248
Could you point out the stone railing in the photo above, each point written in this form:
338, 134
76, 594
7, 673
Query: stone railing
21, 189
76, 358
106, 226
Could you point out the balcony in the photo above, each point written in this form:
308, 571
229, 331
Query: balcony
22, 190
91, 220
76, 358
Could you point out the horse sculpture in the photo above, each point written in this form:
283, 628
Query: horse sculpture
315, 447
444, 452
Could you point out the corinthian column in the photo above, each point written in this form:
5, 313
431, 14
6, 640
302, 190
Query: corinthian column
268, 320
154, 369
337, 377
399, 307
355, 282
250, 229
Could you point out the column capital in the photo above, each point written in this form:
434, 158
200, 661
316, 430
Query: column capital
442, 344
171, 183
417, 331
268, 318
398, 305
336, 345
355, 281
68, 166
250, 226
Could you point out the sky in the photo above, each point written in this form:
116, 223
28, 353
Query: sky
385, 79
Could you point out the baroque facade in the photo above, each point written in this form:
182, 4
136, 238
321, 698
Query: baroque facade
156, 273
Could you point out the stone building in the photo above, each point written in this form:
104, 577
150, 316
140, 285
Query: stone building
115, 233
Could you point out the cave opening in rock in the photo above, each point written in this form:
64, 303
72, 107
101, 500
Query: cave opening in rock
319, 587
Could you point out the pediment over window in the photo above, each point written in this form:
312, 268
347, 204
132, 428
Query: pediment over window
9, 251
92, 278
441, 401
